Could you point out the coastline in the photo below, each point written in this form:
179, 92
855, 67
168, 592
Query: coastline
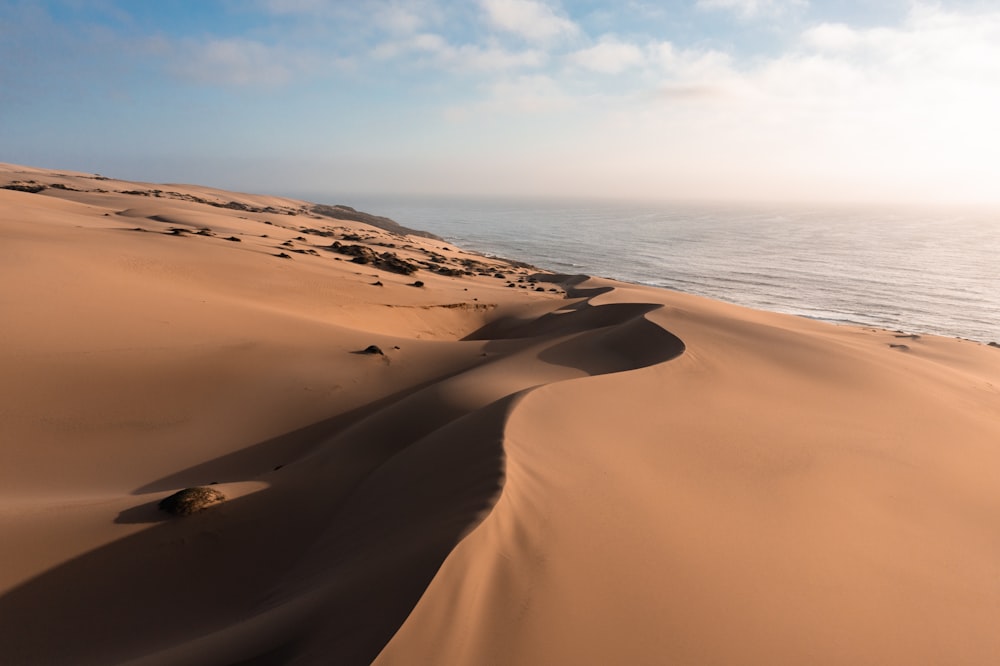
533, 468
925, 270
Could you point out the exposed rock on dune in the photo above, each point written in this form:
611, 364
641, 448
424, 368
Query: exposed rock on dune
191, 500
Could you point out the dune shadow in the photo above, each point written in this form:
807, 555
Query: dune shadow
369, 537
256, 459
143, 513
280, 451
393, 534
373, 553
636, 343
571, 318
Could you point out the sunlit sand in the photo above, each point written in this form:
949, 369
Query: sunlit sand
530, 469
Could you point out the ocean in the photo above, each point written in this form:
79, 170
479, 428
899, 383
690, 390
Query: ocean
919, 270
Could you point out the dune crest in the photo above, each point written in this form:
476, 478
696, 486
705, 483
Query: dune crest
535, 468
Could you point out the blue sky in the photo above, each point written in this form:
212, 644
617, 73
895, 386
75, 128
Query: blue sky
705, 99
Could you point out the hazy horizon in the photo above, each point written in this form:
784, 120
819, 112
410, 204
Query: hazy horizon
770, 101
338, 197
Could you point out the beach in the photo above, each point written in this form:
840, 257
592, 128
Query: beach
431, 456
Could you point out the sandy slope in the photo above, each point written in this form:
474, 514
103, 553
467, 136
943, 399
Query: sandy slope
596, 474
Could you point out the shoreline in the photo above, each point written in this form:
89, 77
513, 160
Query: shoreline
671, 250
422, 462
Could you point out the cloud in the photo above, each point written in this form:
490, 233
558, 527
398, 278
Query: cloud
694, 68
311, 7
437, 52
904, 113
529, 19
239, 62
394, 16
879, 113
396, 19
750, 8
831, 37
681, 92
610, 56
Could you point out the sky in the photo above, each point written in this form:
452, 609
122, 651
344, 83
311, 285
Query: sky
720, 100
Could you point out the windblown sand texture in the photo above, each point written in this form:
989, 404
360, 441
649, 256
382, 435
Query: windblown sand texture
572, 471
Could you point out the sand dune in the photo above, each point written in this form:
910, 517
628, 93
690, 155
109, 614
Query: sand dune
538, 469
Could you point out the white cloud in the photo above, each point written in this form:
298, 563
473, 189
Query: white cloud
532, 20
313, 7
400, 20
437, 52
692, 65
493, 58
238, 62
394, 16
880, 114
748, 8
831, 37
889, 114
610, 56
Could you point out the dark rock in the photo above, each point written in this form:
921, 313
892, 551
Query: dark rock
234, 239
388, 261
418, 283
191, 500
30, 186
373, 349
994, 344
282, 255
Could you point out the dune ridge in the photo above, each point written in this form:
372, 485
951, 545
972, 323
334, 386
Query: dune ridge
535, 469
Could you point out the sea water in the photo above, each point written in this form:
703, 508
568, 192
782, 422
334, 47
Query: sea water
929, 270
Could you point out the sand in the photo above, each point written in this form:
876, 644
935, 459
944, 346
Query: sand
568, 470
